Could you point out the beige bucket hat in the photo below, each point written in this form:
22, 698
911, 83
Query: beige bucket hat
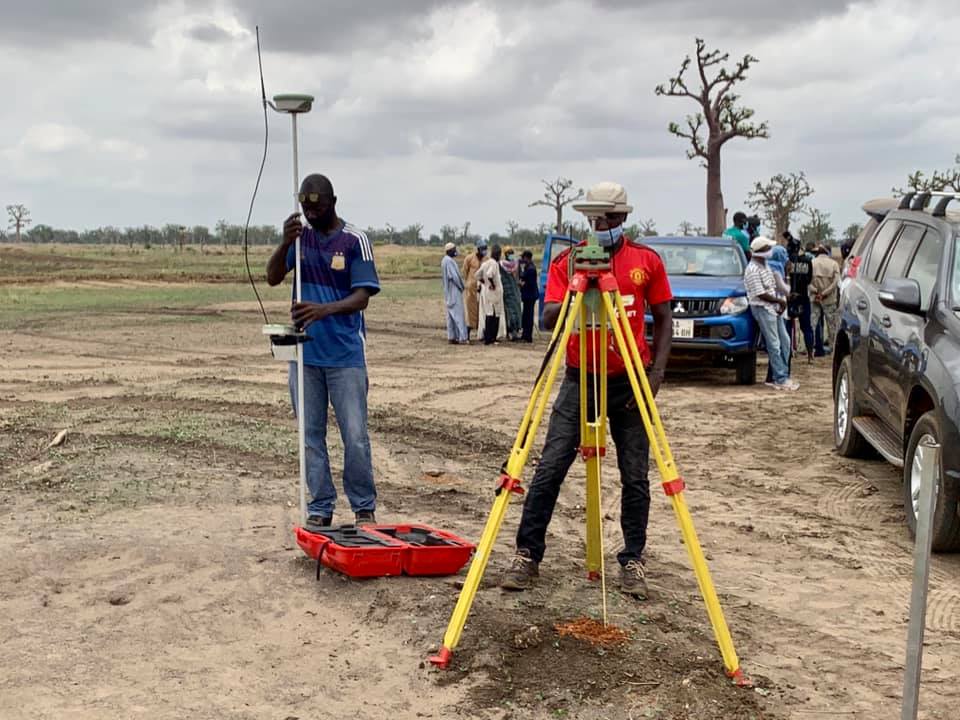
610, 192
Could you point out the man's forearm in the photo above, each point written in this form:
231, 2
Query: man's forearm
662, 341
277, 264
356, 301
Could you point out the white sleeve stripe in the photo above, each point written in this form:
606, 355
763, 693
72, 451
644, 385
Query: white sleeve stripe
365, 250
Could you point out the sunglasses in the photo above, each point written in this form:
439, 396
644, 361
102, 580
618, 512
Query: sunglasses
312, 197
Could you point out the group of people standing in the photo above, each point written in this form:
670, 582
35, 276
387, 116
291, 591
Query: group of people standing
492, 296
786, 287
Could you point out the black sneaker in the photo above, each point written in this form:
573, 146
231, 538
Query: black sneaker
522, 573
365, 517
318, 521
633, 579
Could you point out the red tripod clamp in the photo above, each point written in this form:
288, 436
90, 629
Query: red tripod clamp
588, 452
674, 487
509, 484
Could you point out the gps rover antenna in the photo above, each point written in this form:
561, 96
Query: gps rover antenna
286, 341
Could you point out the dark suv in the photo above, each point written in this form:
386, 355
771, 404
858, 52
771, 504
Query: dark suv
896, 367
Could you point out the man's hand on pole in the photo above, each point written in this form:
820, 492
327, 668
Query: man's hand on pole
304, 313
292, 227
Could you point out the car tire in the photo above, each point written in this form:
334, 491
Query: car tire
946, 522
746, 367
847, 439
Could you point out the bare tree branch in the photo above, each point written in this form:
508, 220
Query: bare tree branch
779, 199
557, 195
720, 118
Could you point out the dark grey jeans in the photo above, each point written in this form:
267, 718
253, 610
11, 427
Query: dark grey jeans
561, 449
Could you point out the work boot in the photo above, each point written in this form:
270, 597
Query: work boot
365, 517
522, 572
318, 521
633, 579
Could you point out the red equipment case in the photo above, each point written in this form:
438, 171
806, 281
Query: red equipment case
429, 551
381, 550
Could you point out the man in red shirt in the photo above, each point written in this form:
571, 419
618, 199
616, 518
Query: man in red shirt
643, 282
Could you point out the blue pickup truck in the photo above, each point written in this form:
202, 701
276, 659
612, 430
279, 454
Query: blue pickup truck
712, 323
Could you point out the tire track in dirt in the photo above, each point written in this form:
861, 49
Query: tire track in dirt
858, 503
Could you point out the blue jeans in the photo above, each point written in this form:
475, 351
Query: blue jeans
775, 335
346, 390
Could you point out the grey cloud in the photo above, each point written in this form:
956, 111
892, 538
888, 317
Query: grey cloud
307, 27
740, 16
46, 23
209, 33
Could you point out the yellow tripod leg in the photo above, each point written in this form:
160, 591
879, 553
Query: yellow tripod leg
518, 457
593, 445
672, 482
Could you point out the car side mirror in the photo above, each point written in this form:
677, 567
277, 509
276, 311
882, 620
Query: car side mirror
901, 294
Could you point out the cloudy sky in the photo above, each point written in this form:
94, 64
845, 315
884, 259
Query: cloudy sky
441, 112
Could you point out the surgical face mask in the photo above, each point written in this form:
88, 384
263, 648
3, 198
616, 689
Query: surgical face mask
481, 251
510, 256
610, 237
766, 254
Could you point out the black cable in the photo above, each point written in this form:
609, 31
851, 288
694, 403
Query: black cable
263, 161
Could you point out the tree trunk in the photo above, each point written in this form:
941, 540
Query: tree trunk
715, 218
559, 219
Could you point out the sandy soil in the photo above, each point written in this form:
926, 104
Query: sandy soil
148, 568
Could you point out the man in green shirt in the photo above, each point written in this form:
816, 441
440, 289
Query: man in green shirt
738, 231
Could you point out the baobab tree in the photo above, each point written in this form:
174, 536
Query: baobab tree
557, 195
688, 229
719, 115
779, 199
19, 218
939, 181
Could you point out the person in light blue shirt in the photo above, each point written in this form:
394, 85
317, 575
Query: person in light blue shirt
338, 279
452, 282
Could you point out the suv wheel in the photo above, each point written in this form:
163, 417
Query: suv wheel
849, 442
946, 523
746, 366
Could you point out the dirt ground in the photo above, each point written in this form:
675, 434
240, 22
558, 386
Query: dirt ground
148, 567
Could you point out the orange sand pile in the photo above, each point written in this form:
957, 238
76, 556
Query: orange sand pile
593, 632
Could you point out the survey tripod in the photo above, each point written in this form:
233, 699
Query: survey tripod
593, 299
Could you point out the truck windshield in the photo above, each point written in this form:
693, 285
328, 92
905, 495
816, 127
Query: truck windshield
699, 259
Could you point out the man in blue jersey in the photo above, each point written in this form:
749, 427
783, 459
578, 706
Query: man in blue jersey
338, 278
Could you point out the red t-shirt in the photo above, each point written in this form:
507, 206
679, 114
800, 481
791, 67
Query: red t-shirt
642, 280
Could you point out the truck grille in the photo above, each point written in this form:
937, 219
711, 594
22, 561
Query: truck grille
695, 307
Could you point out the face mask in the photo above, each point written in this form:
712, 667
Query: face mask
510, 257
609, 238
481, 251
767, 254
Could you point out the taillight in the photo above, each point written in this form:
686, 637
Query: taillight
853, 266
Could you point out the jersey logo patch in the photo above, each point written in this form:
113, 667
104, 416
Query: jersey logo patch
638, 277
338, 261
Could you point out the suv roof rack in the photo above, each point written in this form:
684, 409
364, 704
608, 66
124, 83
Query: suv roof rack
921, 201
905, 202
945, 197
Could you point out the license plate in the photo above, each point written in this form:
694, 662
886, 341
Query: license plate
683, 328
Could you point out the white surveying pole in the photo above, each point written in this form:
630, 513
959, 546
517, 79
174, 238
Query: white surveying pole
294, 105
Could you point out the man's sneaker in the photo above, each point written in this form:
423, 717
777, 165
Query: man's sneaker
365, 517
522, 572
318, 521
789, 385
633, 579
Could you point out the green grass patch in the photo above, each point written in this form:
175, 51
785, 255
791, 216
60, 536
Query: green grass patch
21, 305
